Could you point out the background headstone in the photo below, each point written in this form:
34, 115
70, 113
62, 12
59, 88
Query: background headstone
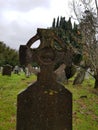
60, 72
7, 69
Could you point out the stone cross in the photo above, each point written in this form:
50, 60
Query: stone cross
46, 104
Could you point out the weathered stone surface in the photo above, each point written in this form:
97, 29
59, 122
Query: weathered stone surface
7, 70
60, 72
46, 104
44, 107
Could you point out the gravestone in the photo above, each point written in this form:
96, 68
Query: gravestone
16, 69
60, 72
7, 69
46, 104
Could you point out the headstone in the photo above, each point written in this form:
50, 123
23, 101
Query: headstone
27, 73
28, 70
87, 74
60, 72
46, 104
36, 70
7, 69
16, 69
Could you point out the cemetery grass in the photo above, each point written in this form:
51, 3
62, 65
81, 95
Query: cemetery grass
85, 105
10, 86
85, 102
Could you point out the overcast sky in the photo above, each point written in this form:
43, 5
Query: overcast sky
19, 19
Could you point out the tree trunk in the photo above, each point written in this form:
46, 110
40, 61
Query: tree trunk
96, 79
96, 83
80, 77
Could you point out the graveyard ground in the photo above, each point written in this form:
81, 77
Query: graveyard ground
85, 102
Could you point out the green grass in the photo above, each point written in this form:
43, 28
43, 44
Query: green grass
85, 110
9, 89
85, 105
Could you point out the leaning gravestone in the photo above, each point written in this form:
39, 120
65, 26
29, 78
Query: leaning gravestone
60, 72
46, 104
7, 69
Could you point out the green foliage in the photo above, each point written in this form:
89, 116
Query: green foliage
8, 55
69, 33
70, 71
77, 58
53, 24
65, 30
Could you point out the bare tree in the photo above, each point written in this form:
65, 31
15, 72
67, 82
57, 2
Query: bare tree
86, 12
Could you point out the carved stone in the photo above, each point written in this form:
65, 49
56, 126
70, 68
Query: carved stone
46, 104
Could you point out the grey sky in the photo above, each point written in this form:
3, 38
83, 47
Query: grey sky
19, 19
